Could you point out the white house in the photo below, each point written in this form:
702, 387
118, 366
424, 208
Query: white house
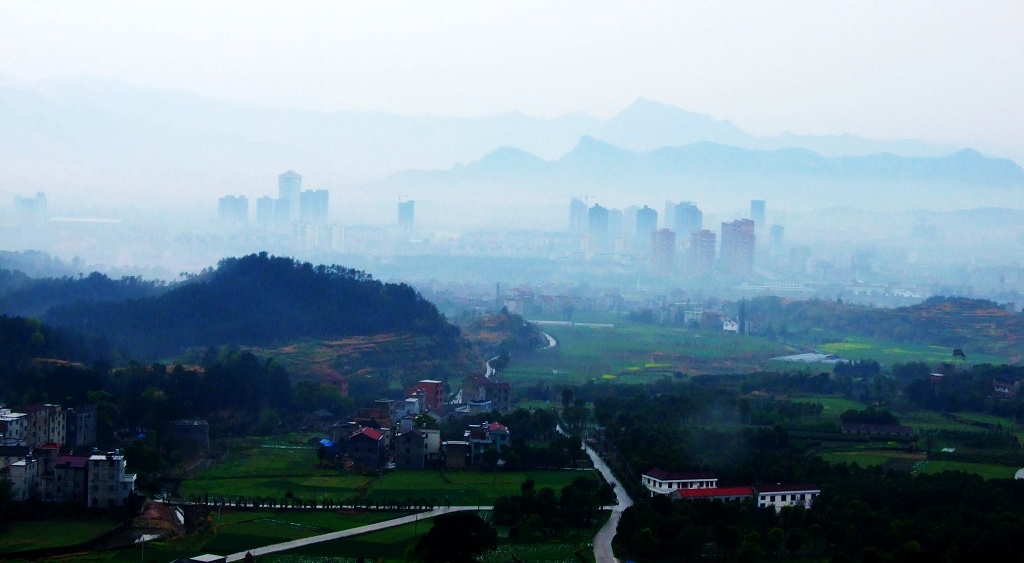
24, 477
780, 495
664, 482
109, 485
731, 326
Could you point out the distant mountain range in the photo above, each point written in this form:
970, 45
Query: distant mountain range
99, 139
720, 175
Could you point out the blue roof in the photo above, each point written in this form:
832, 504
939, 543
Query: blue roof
326, 443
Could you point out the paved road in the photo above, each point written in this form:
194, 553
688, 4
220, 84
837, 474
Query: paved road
603, 552
350, 532
603, 540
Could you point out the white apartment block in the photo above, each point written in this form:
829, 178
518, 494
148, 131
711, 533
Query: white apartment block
109, 485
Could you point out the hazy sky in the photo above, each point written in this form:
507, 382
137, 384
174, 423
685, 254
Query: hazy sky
939, 71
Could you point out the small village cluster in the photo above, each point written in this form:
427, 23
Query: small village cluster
388, 434
38, 454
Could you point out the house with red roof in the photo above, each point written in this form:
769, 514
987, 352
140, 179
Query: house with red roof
484, 436
366, 448
69, 480
724, 494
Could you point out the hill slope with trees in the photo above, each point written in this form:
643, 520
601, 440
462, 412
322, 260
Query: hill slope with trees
258, 300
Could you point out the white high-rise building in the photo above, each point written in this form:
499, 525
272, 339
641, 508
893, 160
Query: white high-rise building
289, 186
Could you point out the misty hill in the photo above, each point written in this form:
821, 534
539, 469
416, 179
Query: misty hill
706, 171
975, 325
34, 297
258, 300
120, 142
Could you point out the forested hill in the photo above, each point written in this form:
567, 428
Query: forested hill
25, 297
258, 300
956, 322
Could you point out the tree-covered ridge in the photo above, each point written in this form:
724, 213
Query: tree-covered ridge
955, 322
23, 340
259, 300
33, 298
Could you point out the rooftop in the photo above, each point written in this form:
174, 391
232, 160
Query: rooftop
787, 488
661, 475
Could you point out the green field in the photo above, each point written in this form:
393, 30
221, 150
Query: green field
638, 353
390, 544
253, 470
26, 536
889, 353
233, 532
465, 488
988, 471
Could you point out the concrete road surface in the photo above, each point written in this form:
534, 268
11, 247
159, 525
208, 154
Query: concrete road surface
350, 532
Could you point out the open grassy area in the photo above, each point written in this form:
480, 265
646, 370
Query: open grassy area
232, 532
889, 353
988, 471
466, 488
639, 353
251, 469
26, 536
832, 406
390, 545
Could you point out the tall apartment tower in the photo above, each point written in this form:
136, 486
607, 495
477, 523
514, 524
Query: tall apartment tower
757, 215
406, 216
597, 230
688, 220
289, 186
646, 223
775, 241
313, 206
738, 244
233, 209
702, 251
577, 216
265, 211
663, 251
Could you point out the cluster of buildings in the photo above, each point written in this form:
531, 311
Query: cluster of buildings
398, 433
682, 240
36, 453
704, 485
304, 213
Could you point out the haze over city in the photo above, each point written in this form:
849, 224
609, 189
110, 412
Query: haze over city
887, 120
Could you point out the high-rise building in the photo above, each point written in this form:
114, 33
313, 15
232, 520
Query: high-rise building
669, 219
31, 208
289, 186
406, 216
577, 216
702, 251
597, 230
663, 251
775, 241
629, 220
688, 220
757, 215
282, 211
233, 209
313, 206
614, 224
265, 211
738, 244
646, 223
